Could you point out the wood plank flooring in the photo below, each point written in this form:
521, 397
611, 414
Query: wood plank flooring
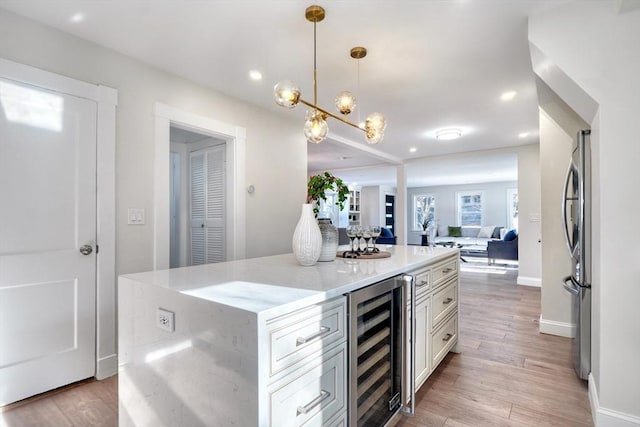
507, 374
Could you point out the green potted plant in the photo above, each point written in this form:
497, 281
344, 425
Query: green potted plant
319, 184
317, 188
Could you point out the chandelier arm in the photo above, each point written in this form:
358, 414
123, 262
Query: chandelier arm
322, 110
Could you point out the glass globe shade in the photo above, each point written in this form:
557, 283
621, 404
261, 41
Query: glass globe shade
374, 136
376, 121
315, 128
286, 94
345, 102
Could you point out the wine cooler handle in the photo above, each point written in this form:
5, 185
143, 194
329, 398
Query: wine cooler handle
315, 402
324, 330
411, 284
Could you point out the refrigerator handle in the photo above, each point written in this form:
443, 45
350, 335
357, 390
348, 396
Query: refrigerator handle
565, 225
573, 288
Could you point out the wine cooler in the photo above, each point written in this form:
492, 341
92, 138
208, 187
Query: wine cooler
377, 352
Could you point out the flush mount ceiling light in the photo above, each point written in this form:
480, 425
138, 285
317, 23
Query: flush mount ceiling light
523, 135
287, 94
255, 75
448, 134
508, 96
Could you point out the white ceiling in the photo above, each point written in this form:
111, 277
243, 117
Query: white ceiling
431, 64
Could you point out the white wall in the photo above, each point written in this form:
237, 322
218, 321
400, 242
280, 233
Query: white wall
555, 154
529, 215
373, 204
495, 204
271, 212
597, 47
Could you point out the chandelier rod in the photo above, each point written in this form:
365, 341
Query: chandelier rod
315, 72
323, 111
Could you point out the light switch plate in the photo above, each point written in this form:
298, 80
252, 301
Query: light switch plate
135, 216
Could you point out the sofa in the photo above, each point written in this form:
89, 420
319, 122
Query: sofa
503, 249
473, 240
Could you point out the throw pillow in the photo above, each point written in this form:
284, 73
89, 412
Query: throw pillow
511, 235
455, 231
486, 232
443, 230
385, 232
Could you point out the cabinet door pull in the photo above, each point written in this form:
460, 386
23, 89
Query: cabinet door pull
447, 270
324, 330
421, 284
315, 402
447, 301
447, 337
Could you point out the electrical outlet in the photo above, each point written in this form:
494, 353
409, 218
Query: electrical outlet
165, 320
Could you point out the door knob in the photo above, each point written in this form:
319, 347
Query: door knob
86, 249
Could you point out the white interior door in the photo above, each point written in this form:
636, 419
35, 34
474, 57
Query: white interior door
208, 238
47, 213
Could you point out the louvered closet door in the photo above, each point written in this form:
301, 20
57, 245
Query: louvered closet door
207, 168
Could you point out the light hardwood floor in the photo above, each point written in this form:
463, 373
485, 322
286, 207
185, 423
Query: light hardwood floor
507, 374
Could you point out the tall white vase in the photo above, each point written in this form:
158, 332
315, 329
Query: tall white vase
307, 240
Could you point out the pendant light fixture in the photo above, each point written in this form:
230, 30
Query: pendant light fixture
287, 94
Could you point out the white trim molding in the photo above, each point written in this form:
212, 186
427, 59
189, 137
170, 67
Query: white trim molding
235, 139
529, 281
561, 329
604, 417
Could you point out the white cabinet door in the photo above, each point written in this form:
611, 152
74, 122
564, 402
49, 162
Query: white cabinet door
423, 355
47, 213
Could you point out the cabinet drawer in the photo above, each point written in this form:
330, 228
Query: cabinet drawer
443, 271
296, 336
444, 302
311, 395
443, 339
423, 282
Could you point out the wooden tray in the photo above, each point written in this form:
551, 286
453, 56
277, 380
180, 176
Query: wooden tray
377, 255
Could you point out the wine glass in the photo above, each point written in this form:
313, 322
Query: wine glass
358, 236
366, 234
375, 233
351, 234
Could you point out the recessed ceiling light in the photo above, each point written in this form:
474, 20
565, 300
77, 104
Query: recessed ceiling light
448, 134
523, 135
413, 149
508, 96
77, 17
255, 75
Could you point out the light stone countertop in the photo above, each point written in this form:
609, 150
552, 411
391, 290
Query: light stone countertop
269, 286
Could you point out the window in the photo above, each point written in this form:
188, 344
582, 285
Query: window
469, 205
512, 208
424, 206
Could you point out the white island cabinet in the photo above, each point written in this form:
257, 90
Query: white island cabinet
260, 342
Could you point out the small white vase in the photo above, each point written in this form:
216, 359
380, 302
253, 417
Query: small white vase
307, 240
329, 240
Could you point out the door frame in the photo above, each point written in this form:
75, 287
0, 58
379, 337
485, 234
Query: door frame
235, 142
106, 100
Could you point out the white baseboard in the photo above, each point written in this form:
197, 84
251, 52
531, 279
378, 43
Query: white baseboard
529, 281
107, 366
562, 329
603, 417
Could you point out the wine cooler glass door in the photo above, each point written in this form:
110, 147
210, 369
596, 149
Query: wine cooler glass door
375, 357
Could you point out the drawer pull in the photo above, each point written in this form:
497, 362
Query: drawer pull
447, 301
421, 284
324, 330
447, 270
315, 402
447, 337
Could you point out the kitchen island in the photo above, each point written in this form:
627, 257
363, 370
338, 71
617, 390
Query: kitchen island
245, 343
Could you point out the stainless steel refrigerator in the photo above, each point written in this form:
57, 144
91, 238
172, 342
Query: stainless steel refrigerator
576, 215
